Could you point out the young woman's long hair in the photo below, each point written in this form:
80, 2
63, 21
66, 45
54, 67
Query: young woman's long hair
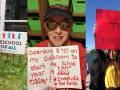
117, 59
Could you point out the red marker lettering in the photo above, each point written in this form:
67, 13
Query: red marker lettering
38, 81
40, 51
73, 51
69, 63
74, 57
64, 50
37, 74
57, 50
30, 52
61, 83
71, 83
46, 58
34, 60
68, 78
51, 71
53, 64
63, 70
37, 67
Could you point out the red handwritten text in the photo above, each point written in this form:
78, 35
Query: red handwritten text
68, 80
73, 51
69, 63
71, 83
53, 64
50, 78
37, 67
74, 57
57, 50
37, 74
56, 57
68, 83
63, 70
74, 78
34, 59
38, 81
65, 50
40, 51
61, 83
51, 71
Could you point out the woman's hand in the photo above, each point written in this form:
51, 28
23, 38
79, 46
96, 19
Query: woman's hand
94, 28
50, 88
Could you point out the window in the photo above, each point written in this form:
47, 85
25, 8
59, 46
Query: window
8, 18
13, 15
7, 10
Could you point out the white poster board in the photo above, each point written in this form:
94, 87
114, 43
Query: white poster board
13, 42
53, 66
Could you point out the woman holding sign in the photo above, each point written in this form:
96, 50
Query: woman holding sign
105, 70
58, 22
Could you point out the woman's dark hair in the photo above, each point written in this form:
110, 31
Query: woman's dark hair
118, 56
117, 59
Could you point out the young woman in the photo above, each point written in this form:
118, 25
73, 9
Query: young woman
58, 22
105, 70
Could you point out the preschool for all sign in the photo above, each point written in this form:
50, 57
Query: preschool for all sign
13, 42
53, 66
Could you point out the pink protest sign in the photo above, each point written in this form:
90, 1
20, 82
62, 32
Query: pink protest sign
108, 30
53, 66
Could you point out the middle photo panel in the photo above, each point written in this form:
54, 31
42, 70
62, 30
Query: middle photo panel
56, 45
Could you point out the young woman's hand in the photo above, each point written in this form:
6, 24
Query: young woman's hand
94, 28
50, 88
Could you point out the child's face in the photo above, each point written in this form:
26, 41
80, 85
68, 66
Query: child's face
58, 37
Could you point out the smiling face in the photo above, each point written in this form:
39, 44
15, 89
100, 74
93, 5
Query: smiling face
113, 54
58, 37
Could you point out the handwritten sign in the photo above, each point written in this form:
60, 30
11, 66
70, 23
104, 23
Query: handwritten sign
53, 66
13, 42
108, 30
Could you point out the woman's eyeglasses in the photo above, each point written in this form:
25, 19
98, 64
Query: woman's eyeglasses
64, 25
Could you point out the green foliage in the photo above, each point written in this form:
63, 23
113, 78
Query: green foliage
13, 73
93, 51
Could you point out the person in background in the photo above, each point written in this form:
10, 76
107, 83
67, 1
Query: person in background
105, 70
87, 65
58, 22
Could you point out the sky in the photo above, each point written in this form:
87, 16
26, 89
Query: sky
91, 6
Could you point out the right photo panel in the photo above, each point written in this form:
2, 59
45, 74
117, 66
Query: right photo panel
103, 44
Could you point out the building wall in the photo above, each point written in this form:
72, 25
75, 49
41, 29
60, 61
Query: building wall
12, 11
23, 13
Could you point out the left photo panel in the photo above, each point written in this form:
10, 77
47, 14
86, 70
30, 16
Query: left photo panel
42, 45
13, 44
